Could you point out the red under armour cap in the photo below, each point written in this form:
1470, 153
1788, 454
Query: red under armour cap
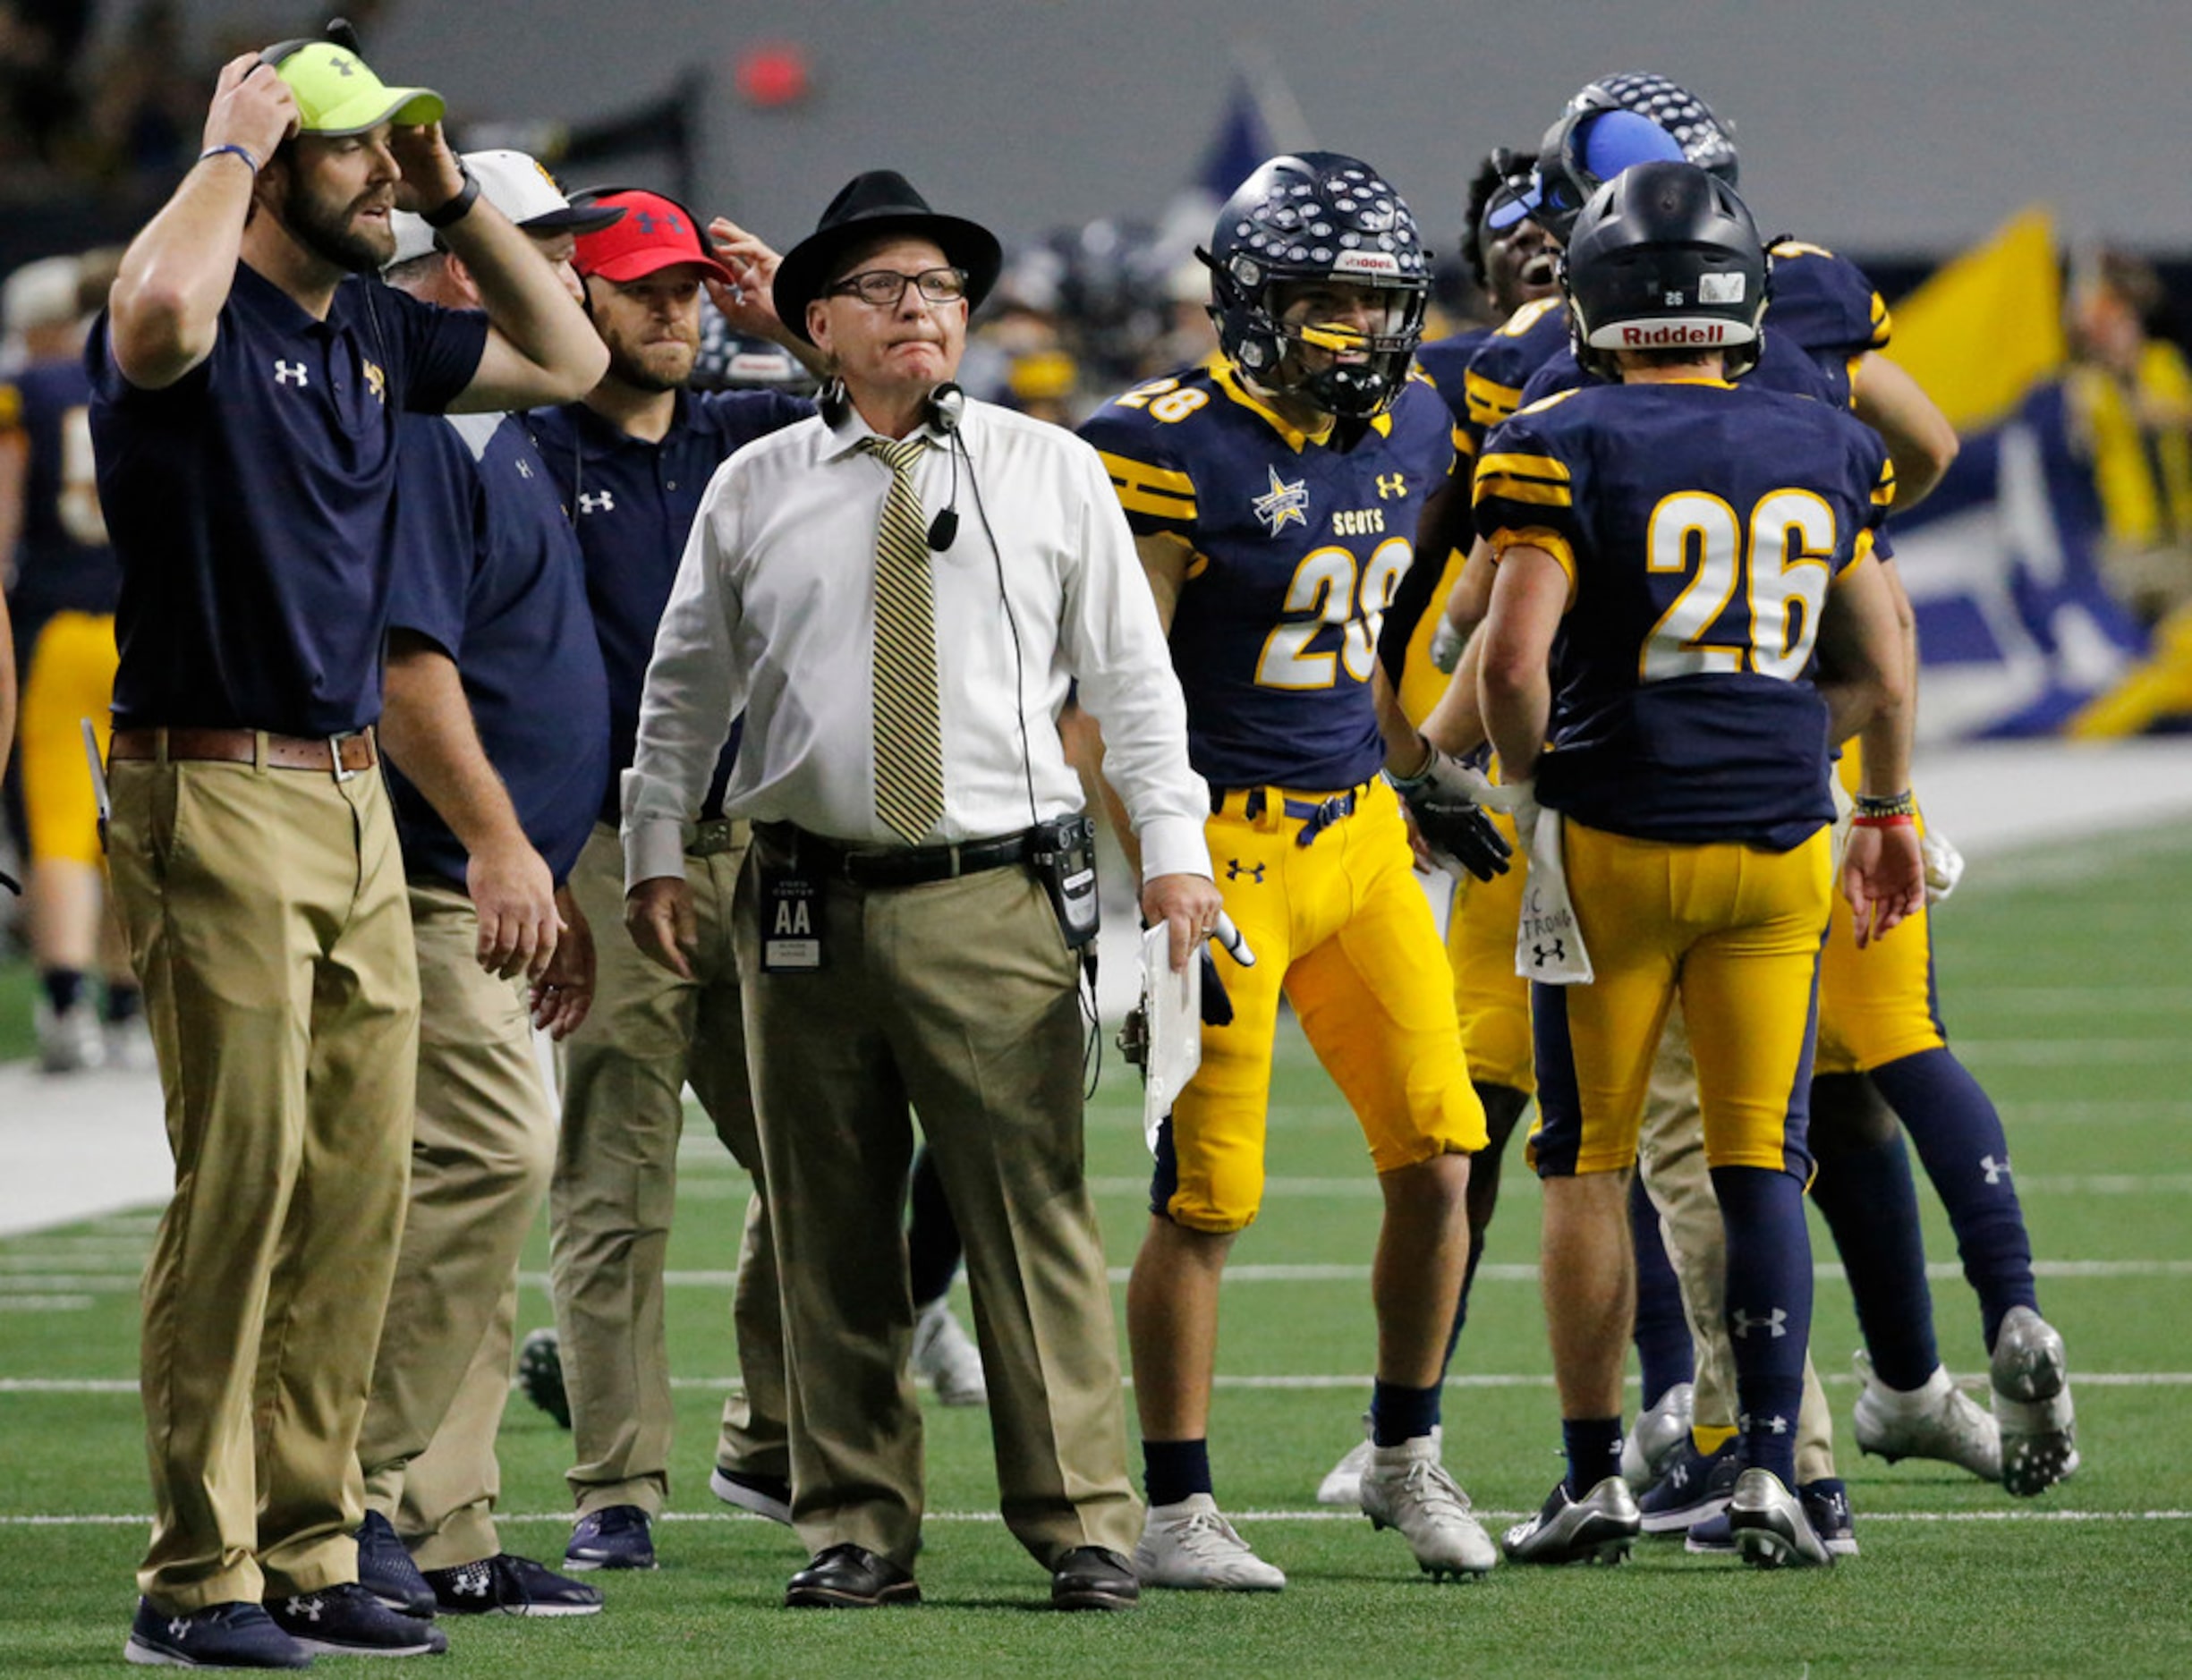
653, 233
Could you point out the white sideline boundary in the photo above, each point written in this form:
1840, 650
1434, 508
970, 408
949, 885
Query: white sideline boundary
562, 1519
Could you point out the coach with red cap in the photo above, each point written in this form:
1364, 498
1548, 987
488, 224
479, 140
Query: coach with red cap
631, 462
248, 376
894, 938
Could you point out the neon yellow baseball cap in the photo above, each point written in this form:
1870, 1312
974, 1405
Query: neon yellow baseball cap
337, 94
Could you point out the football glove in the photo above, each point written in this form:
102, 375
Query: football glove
1445, 645
1446, 799
1944, 867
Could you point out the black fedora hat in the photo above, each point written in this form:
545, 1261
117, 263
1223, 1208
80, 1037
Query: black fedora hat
873, 206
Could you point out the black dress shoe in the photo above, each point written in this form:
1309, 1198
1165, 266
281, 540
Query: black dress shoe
1094, 1578
850, 1577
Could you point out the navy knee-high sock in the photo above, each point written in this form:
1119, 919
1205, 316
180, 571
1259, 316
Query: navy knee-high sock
1503, 1107
1871, 1207
1768, 1308
1959, 1139
1663, 1330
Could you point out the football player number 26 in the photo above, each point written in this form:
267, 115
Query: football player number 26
1780, 566
1328, 587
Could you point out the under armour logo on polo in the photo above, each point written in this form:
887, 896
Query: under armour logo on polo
524, 469
1391, 485
290, 373
309, 1609
1236, 868
1996, 1171
1775, 1322
596, 501
1541, 956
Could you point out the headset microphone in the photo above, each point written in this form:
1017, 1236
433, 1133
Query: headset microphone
947, 404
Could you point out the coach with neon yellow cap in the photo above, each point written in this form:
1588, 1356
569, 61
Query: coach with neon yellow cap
248, 375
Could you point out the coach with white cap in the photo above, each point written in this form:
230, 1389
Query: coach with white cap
496, 731
896, 946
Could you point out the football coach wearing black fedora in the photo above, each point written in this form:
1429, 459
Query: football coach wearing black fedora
897, 944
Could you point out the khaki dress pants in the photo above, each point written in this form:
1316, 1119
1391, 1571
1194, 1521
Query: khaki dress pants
958, 1001
266, 918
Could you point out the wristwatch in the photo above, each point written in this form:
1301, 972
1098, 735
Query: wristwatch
458, 208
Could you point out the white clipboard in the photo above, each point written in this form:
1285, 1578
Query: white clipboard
1172, 1000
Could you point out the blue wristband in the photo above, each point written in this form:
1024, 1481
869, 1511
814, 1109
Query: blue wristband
249, 161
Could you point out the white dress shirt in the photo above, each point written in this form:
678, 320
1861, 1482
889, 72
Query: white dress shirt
773, 613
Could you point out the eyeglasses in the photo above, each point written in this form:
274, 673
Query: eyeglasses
884, 287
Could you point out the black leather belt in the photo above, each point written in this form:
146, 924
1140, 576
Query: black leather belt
713, 836
900, 866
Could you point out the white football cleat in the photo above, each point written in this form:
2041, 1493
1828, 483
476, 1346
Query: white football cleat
1406, 1487
1189, 1547
1938, 1420
946, 1358
1343, 1482
1662, 1429
2032, 1404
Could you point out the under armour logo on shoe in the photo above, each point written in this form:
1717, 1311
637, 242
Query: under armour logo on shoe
1236, 868
596, 502
309, 1609
473, 1581
1775, 1322
1996, 1171
290, 373
178, 1628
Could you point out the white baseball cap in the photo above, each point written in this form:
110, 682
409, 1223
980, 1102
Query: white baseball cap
518, 185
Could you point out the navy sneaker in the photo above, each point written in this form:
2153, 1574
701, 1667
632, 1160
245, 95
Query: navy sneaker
614, 1537
515, 1586
1715, 1536
1697, 1486
385, 1569
1826, 1504
348, 1621
220, 1636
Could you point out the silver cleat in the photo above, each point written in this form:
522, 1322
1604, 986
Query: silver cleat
1662, 1429
2032, 1405
1771, 1528
1597, 1529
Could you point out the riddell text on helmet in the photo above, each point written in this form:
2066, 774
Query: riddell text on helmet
1673, 332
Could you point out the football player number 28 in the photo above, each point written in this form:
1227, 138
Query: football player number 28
1780, 566
1328, 587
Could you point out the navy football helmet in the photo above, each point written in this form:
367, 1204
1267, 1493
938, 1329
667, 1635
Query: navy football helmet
1318, 216
1665, 256
1705, 140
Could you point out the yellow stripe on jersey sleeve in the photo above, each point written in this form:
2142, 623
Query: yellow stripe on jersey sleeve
1883, 324
1535, 536
1883, 486
1541, 480
1158, 492
1857, 551
1488, 402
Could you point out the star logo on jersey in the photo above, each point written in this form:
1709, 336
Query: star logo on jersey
1391, 486
1287, 505
290, 373
596, 502
376, 382
1236, 868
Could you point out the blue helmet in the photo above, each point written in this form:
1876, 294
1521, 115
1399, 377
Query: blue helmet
1585, 148
1706, 141
1318, 216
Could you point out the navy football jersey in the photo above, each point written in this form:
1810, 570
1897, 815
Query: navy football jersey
1298, 544
1701, 524
56, 571
1444, 362
1491, 389
1824, 304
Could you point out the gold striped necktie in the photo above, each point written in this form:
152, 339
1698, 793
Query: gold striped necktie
909, 750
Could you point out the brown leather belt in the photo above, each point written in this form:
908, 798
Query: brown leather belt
344, 755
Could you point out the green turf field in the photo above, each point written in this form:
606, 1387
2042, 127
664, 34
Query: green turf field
2064, 978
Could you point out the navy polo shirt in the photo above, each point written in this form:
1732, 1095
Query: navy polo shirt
633, 503
251, 504
486, 569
